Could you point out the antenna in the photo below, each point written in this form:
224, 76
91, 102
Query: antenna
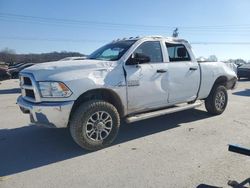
175, 33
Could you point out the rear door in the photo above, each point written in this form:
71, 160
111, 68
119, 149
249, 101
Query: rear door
183, 74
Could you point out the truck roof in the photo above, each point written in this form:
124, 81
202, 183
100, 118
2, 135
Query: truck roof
170, 39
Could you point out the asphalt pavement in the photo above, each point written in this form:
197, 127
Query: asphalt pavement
185, 149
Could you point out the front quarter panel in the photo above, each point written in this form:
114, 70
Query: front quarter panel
112, 79
107, 78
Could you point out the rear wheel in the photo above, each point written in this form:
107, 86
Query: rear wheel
95, 124
217, 100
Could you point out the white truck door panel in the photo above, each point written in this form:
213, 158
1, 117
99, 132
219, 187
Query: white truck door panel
147, 82
183, 81
147, 89
183, 74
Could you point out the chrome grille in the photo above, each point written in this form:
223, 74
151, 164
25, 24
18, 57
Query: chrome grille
29, 88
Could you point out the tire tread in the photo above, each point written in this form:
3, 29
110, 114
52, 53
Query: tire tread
210, 100
78, 118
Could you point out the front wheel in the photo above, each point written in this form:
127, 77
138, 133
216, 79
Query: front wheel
217, 100
95, 124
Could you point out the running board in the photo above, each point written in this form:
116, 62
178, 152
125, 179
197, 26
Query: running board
148, 115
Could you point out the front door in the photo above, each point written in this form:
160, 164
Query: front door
147, 82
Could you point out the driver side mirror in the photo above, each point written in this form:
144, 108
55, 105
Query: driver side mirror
138, 58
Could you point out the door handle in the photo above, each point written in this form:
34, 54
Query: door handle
161, 70
193, 68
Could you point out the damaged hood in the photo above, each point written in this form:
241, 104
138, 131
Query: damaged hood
68, 70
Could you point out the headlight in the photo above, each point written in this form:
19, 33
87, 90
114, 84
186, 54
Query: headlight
54, 89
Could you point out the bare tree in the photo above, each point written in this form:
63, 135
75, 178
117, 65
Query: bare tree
212, 58
8, 56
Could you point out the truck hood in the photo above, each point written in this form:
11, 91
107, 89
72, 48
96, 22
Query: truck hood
73, 69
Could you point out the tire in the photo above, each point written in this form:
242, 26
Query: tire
217, 100
95, 125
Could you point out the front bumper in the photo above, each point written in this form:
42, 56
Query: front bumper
48, 114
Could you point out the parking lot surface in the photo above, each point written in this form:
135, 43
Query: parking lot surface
185, 149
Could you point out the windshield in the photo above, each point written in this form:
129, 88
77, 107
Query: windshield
112, 51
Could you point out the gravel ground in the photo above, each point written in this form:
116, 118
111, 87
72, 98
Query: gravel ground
185, 149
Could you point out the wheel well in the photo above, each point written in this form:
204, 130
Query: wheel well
222, 80
101, 94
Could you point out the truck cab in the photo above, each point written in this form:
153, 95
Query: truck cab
171, 75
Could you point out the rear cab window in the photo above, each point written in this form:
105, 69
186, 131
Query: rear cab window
177, 52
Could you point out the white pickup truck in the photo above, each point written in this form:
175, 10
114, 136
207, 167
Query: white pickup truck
133, 79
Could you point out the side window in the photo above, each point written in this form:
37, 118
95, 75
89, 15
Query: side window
177, 52
152, 49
